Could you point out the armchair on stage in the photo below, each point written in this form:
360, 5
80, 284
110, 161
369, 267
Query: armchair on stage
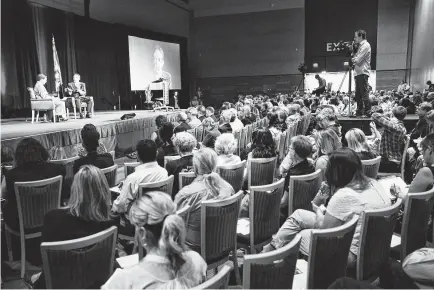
74, 108
39, 105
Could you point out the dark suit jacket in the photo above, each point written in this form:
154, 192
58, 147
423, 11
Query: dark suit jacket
99, 160
74, 88
29, 172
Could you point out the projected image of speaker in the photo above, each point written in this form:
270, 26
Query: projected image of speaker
128, 116
154, 65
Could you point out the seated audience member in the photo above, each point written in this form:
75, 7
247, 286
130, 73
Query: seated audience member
201, 113
236, 124
159, 121
166, 148
210, 126
408, 105
296, 162
148, 171
183, 125
86, 213
90, 139
225, 146
356, 140
82, 152
207, 185
273, 126
168, 264
184, 143
31, 164
327, 142
7, 156
263, 145
327, 119
421, 129
248, 116
210, 114
353, 193
392, 141
194, 121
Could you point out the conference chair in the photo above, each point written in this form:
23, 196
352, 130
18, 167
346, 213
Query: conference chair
165, 185
281, 147
40, 105
237, 136
306, 123
328, 256
375, 236
264, 216
186, 178
170, 158
218, 281
260, 171
130, 167
218, 228
290, 132
113, 154
84, 263
415, 222
249, 129
302, 190
233, 174
403, 161
69, 167
371, 166
110, 173
271, 270
34, 200
198, 133
242, 140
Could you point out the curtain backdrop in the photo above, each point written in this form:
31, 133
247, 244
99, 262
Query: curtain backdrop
20, 63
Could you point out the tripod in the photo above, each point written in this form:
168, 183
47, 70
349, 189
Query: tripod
350, 73
301, 83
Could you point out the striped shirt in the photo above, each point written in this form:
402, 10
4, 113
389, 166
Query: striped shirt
362, 59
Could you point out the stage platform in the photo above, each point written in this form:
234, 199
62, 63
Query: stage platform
363, 123
116, 134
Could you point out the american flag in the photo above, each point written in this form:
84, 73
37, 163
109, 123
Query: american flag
57, 72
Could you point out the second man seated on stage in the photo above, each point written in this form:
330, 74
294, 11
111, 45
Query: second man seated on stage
77, 90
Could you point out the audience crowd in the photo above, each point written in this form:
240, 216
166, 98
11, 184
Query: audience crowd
204, 138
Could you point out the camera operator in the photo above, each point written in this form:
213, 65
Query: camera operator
362, 67
321, 86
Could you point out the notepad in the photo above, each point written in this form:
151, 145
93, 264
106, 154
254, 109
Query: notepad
243, 226
128, 261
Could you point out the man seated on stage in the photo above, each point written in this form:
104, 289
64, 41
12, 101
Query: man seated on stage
41, 93
392, 141
77, 90
322, 86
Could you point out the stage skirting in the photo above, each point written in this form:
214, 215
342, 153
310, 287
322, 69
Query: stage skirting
115, 134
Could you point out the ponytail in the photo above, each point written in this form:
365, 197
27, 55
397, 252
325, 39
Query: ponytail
172, 240
213, 183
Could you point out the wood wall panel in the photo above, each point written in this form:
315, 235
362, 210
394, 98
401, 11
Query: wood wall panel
249, 44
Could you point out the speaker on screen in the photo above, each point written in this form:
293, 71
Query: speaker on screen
128, 116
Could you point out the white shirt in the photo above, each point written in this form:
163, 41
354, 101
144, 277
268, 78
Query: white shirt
362, 59
195, 123
144, 173
237, 125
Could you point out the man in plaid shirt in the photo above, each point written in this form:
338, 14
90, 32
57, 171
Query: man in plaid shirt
392, 141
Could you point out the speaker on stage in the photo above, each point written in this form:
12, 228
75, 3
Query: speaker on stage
128, 116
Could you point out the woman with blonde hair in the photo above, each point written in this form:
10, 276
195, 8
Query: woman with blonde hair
168, 263
327, 141
356, 140
225, 146
207, 185
87, 212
